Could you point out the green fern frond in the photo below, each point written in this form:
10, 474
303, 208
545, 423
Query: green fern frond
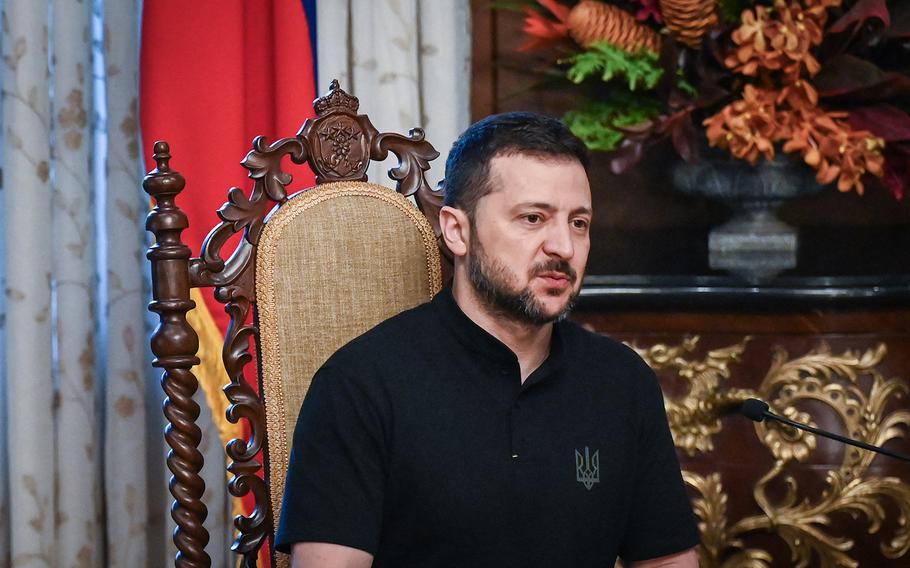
597, 124
686, 86
640, 68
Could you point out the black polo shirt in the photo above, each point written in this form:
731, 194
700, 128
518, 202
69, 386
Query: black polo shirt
418, 443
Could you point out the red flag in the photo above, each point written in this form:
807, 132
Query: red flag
213, 76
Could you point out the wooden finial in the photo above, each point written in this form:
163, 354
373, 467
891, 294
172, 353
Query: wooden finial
163, 181
162, 156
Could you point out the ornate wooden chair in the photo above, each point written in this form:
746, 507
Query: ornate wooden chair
321, 267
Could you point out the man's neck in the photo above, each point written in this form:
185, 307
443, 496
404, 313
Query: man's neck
529, 342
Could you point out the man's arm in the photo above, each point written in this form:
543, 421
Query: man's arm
661, 519
328, 555
335, 484
686, 559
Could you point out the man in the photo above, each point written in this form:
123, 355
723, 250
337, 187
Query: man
483, 429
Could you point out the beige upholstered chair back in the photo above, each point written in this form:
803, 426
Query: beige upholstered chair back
333, 262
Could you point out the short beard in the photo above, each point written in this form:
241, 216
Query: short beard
491, 282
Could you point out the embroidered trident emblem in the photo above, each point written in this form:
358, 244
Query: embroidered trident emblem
587, 468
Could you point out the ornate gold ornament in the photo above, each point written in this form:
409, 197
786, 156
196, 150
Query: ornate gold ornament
847, 384
695, 417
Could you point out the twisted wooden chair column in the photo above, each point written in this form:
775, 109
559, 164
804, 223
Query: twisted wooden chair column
174, 344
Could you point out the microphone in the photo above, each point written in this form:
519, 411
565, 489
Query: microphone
757, 410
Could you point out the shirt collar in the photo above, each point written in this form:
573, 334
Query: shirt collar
479, 340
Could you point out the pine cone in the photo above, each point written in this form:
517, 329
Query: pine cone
689, 19
591, 21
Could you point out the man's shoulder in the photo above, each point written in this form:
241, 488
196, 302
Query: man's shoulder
598, 347
607, 363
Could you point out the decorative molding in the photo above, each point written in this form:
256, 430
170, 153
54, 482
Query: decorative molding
847, 384
695, 417
336, 100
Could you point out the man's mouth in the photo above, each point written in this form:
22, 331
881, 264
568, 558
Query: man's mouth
555, 279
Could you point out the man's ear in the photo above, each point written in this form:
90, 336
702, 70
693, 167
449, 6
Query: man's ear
456, 229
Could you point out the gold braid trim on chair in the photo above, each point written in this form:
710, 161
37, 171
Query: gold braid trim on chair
367, 286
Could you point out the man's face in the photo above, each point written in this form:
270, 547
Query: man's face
530, 237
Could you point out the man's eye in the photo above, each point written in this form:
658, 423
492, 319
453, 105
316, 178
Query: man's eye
533, 218
580, 224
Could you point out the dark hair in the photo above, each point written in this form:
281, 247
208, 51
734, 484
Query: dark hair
468, 166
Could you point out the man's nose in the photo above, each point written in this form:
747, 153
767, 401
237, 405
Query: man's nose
559, 241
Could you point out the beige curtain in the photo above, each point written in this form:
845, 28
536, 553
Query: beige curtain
407, 60
80, 442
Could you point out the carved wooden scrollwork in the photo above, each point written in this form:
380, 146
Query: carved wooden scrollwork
338, 145
234, 284
245, 404
247, 214
342, 143
414, 157
806, 388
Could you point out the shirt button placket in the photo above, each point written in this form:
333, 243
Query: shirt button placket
515, 419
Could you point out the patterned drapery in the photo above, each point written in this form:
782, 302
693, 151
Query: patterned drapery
409, 62
81, 436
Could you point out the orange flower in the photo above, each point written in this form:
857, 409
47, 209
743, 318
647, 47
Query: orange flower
800, 33
775, 44
748, 127
751, 33
778, 39
798, 94
752, 39
828, 144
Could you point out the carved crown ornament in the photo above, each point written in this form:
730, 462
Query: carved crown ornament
804, 516
336, 100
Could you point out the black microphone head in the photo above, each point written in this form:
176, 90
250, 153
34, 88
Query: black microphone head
754, 409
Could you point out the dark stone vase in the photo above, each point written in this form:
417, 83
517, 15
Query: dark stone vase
754, 244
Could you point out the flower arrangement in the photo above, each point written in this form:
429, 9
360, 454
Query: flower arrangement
826, 81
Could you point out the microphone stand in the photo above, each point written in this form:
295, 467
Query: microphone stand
757, 410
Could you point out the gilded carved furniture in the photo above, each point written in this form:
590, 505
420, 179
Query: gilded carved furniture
312, 271
765, 494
